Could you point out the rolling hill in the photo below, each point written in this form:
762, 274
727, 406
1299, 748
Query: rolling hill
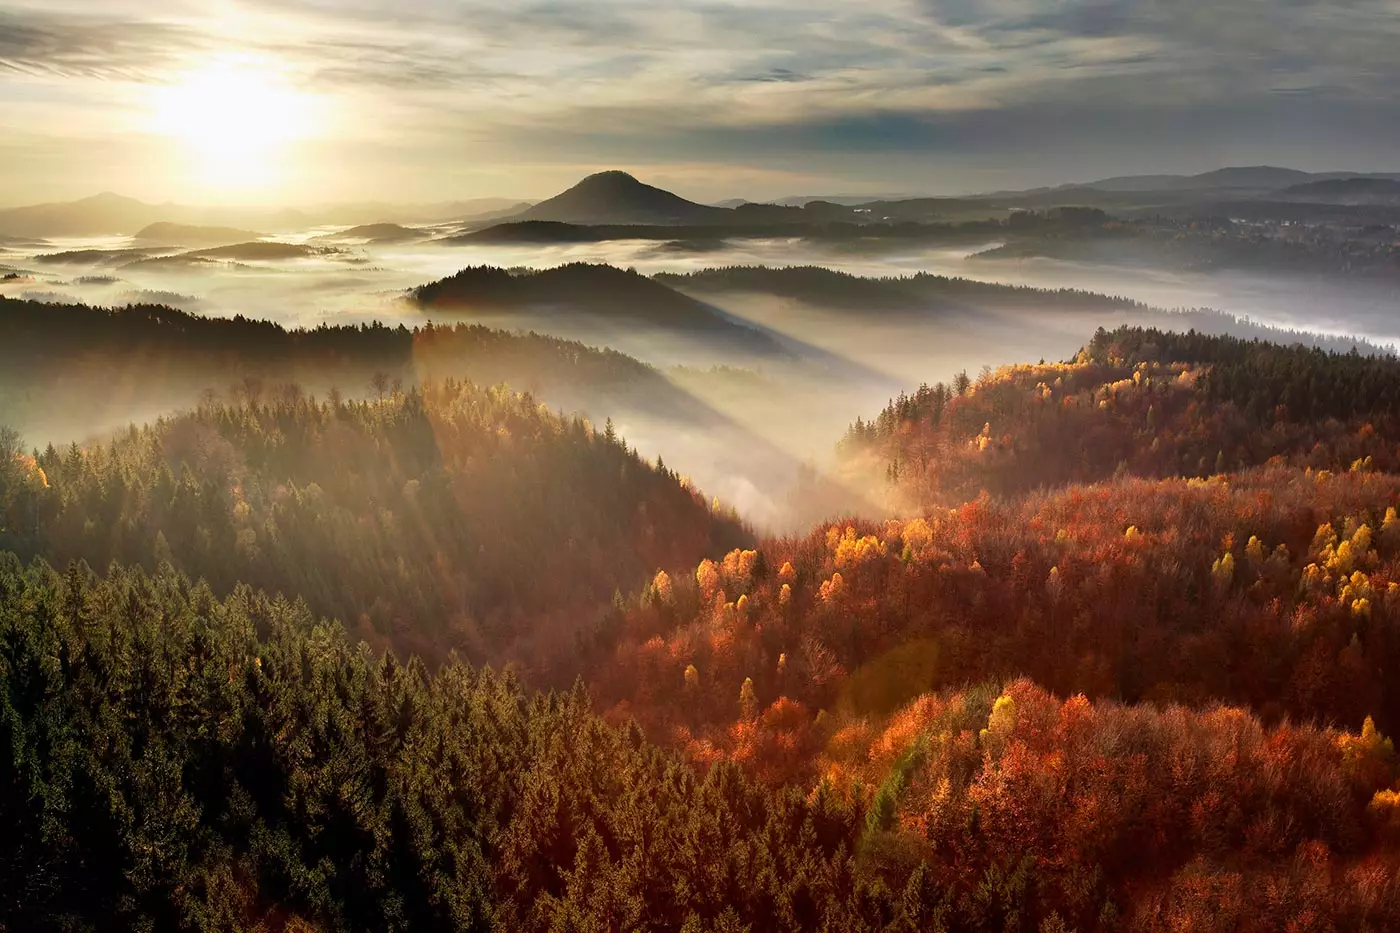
377, 233
171, 234
1355, 191
101, 214
599, 291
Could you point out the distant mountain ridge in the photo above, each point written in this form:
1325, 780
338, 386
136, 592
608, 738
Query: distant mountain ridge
1257, 178
1358, 190
617, 198
109, 214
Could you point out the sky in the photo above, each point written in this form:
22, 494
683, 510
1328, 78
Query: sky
313, 101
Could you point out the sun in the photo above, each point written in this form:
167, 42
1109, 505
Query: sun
236, 119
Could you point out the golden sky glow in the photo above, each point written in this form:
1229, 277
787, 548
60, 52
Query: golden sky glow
234, 120
294, 100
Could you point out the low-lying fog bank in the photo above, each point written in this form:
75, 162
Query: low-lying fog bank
774, 406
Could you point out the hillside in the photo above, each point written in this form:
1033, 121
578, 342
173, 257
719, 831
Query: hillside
538, 809
105, 213
102, 257
71, 370
169, 234
823, 287
262, 251
378, 233
618, 198
1346, 191
443, 518
601, 291
169, 254
1147, 700
1220, 404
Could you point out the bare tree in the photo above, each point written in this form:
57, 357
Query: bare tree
290, 393
251, 388
379, 382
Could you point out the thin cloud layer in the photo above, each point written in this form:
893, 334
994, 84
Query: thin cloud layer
935, 95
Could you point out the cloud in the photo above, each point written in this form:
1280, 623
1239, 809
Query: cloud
70, 46
754, 83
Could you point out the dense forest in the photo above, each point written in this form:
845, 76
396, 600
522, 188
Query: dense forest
924, 294
450, 517
830, 288
1134, 401
442, 659
1292, 238
75, 366
174, 761
599, 289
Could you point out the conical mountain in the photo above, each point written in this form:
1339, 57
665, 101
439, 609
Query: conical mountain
618, 198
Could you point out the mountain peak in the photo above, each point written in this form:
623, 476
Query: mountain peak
615, 197
108, 197
611, 175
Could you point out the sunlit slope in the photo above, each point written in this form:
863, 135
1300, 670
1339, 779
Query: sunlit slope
1141, 402
450, 517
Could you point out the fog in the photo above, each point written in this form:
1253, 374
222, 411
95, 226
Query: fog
761, 433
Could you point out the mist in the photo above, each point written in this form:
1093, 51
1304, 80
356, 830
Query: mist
761, 432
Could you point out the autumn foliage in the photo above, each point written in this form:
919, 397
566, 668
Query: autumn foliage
1123, 657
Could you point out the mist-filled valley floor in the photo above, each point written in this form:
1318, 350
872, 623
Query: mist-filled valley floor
778, 374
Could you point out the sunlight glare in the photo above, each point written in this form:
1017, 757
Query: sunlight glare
236, 119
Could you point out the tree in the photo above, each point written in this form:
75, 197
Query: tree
379, 384
11, 449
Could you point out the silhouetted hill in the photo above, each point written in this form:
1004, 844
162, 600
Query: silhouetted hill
600, 290
813, 228
377, 233
252, 252
1262, 177
1255, 176
618, 198
498, 213
922, 291
97, 257
67, 370
105, 213
1346, 191
111, 214
189, 235
550, 231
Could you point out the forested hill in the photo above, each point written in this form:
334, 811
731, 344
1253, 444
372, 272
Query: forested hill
72, 370
1137, 401
600, 290
830, 288
924, 293
173, 761
450, 517
1147, 703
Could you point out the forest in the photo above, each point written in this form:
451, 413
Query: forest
1138, 402
71, 364
1118, 656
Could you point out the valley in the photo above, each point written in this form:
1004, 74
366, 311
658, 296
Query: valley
621, 561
